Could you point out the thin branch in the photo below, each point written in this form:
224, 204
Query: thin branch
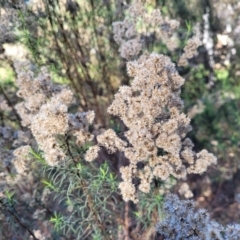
18, 219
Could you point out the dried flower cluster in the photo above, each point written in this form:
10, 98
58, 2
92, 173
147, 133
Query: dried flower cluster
7, 19
52, 120
190, 50
14, 160
34, 90
45, 111
185, 190
196, 109
183, 221
11, 139
132, 33
150, 109
21, 162
130, 36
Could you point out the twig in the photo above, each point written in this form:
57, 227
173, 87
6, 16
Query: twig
127, 222
18, 220
89, 196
